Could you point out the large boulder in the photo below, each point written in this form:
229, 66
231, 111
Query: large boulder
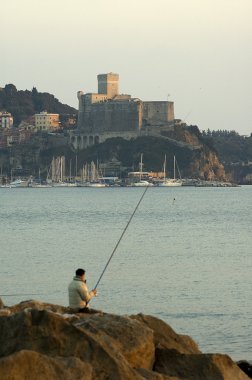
32, 365
50, 334
197, 366
166, 337
130, 337
246, 367
39, 305
152, 375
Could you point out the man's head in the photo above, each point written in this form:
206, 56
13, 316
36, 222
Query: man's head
80, 272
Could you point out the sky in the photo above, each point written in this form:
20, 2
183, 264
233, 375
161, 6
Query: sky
196, 53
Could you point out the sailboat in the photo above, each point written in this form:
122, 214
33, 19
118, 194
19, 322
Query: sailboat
95, 179
171, 182
38, 183
141, 182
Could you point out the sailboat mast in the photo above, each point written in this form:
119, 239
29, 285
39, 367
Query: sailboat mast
61, 169
141, 166
174, 168
164, 167
76, 166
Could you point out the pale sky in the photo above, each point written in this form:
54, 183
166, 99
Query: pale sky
197, 53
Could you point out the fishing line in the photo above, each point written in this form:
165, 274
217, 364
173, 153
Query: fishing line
125, 229
110, 258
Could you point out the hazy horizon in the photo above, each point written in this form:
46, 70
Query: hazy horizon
193, 52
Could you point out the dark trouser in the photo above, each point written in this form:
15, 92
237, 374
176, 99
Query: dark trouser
89, 311
84, 310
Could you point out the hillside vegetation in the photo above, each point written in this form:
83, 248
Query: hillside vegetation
230, 146
23, 104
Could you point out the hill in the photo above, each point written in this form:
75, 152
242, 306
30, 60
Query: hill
23, 104
195, 159
235, 152
231, 146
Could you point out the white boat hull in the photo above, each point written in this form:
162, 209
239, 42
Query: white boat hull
171, 183
142, 184
96, 185
18, 183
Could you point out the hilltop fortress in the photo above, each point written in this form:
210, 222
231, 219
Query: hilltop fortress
108, 114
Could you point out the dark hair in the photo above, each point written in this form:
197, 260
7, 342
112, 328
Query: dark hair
79, 272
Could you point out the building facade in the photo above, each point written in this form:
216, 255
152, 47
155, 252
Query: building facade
108, 114
6, 120
47, 121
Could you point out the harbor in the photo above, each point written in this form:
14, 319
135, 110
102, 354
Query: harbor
91, 175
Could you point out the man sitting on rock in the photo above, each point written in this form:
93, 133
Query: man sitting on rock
78, 293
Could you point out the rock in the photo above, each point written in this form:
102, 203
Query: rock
32, 365
4, 312
132, 338
197, 366
245, 367
1, 304
151, 375
49, 334
35, 304
166, 337
45, 341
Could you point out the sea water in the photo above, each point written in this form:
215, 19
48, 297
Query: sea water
185, 257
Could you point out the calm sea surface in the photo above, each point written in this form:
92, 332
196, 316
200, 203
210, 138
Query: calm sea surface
187, 261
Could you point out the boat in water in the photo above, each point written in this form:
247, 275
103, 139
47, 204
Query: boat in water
96, 184
36, 185
18, 183
170, 182
141, 182
92, 176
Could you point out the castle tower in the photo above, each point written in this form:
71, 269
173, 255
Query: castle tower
108, 84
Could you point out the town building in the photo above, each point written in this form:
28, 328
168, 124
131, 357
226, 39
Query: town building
6, 120
108, 114
47, 121
25, 126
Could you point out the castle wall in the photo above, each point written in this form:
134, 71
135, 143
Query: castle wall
83, 140
85, 106
115, 116
156, 112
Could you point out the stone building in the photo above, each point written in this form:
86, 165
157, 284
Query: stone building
47, 121
109, 114
6, 120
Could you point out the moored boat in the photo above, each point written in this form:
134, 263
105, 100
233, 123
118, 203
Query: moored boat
18, 183
142, 183
170, 182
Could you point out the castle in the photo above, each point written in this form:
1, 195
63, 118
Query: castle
108, 114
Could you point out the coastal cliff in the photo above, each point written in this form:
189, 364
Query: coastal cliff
46, 341
204, 163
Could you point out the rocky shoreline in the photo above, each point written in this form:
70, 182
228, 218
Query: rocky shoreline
45, 341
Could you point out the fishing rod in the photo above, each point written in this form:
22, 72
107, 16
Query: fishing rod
110, 258
117, 244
